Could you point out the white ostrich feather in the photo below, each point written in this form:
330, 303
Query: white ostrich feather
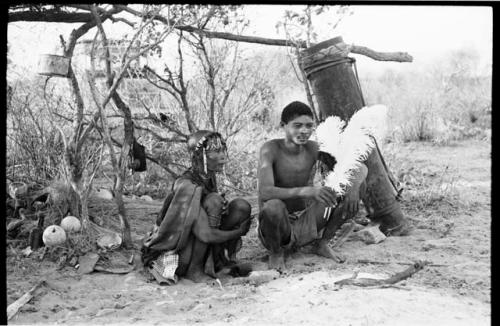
350, 145
328, 135
373, 119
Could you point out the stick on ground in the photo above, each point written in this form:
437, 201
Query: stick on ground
380, 262
391, 280
14, 307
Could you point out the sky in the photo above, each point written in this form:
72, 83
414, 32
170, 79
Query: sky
425, 32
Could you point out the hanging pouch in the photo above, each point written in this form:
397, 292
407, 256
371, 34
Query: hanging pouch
138, 157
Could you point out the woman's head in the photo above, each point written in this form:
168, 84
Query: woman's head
208, 151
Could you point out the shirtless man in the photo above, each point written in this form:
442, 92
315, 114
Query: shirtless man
291, 208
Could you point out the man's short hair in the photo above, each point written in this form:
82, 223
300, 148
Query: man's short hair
295, 109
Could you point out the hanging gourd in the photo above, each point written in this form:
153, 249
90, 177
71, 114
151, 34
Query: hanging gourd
71, 224
54, 235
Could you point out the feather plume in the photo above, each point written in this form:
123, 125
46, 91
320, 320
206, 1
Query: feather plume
328, 134
372, 119
350, 145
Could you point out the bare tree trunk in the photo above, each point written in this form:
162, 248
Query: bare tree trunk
119, 167
73, 149
122, 167
73, 156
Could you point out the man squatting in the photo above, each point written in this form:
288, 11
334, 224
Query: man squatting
291, 208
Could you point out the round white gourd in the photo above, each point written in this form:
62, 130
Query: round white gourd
54, 235
71, 224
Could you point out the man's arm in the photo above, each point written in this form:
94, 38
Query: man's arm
268, 190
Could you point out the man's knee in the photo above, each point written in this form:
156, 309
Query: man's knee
274, 226
273, 211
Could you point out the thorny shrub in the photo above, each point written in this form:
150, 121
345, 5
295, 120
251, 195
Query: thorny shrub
34, 145
442, 103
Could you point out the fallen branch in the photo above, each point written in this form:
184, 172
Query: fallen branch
379, 262
114, 270
14, 307
391, 280
392, 286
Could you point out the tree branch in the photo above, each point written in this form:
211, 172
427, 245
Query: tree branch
57, 15
210, 76
51, 16
154, 160
168, 82
379, 56
159, 137
183, 89
153, 117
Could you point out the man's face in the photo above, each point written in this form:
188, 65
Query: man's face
216, 160
299, 129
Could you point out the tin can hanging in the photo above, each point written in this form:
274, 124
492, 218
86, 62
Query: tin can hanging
53, 65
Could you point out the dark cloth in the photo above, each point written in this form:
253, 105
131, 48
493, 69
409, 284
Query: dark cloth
180, 210
303, 229
174, 222
208, 185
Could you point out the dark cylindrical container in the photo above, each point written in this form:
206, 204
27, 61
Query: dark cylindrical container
336, 87
35, 236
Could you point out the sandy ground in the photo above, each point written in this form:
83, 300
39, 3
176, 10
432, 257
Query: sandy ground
453, 232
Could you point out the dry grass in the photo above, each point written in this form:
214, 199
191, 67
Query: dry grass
430, 194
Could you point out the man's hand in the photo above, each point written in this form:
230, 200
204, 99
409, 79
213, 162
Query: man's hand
324, 195
350, 204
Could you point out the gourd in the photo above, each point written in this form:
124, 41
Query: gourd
54, 235
71, 224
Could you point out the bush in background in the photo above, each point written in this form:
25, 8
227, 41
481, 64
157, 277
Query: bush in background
444, 102
34, 145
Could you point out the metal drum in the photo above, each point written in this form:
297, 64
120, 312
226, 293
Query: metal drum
331, 74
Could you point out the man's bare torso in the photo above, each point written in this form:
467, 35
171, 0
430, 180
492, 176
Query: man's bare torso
293, 168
